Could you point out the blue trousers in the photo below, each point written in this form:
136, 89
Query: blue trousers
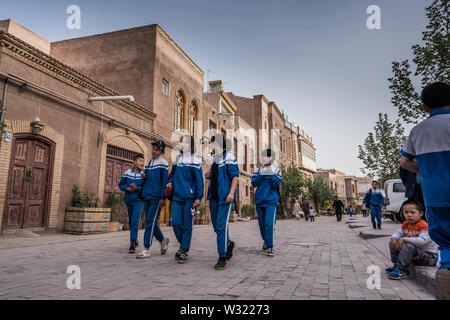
266, 219
220, 215
375, 212
182, 222
439, 230
134, 216
152, 211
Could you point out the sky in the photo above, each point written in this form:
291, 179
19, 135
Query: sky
316, 59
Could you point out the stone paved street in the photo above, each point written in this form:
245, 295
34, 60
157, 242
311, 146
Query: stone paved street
332, 266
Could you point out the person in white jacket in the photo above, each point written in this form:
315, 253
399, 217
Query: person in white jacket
411, 242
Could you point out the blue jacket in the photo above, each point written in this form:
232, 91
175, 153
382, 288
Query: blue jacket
228, 169
187, 181
131, 176
376, 199
266, 186
157, 173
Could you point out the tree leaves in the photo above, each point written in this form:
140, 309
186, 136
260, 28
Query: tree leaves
320, 192
380, 152
431, 60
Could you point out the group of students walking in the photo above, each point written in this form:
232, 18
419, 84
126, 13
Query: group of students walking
148, 186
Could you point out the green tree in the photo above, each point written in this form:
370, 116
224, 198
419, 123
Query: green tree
380, 153
292, 186
432, 63
320, 192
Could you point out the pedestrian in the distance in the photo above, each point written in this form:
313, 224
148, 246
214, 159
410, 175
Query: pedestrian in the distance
311, 214
153, 192
351, 211
364, 209
305, 208
187, 185
297, 209
223, 176
131, 182
374, 199
267, 179
338, 206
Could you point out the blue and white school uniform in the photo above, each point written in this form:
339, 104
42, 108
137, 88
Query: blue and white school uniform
188, 186
429, 144
266, 200
133, 202
220, 211
376, 201
153, 190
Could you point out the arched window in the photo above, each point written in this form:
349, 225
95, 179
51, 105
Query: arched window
179, 108
192, 117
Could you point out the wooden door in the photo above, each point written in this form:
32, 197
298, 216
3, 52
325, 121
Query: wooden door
28, 183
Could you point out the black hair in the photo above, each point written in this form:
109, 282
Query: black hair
191, 140
268, 153
436, 95
418, 205
223, 142
375, 182
137, 157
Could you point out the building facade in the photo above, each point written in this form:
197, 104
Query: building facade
55, 137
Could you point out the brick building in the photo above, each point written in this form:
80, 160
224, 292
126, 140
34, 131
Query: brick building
55, 137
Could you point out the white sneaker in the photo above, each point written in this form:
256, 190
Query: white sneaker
164, 245
145, 253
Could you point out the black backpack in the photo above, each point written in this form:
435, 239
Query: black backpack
368, 198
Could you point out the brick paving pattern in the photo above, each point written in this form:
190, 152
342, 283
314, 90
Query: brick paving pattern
320, 260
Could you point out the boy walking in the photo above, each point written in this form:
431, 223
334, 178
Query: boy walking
374, 199
311, 214
153, 192
225, 170
411, 242
131, 182
427, 151
266, 179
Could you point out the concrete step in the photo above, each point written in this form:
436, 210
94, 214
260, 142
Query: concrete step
356, 225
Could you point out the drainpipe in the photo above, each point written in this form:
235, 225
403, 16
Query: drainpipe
2, 112
4, 100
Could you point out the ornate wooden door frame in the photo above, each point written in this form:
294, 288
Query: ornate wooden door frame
49, 175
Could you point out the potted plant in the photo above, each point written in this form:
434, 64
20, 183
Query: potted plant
119, 217
84, 216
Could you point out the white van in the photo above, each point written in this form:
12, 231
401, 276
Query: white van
395, 196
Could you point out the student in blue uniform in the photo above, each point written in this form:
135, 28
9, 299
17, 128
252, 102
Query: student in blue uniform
267, 179
187, 185
153, 192
131, 182
427, 152
374, 199
225, 170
